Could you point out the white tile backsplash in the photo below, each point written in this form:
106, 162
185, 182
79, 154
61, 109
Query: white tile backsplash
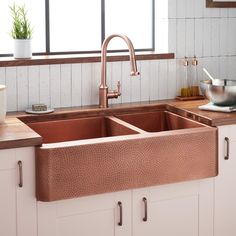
210, 34
11, 84
22, 87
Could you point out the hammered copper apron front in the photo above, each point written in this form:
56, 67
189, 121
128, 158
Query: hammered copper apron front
125, 162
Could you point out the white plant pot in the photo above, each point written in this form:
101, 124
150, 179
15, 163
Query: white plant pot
3, 103
22, 48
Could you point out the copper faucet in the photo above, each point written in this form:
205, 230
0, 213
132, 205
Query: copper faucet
104, 94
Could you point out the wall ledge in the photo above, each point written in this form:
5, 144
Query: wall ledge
80, 58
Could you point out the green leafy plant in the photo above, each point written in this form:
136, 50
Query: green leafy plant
21, 28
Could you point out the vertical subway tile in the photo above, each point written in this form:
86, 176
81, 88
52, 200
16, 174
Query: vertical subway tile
232, 67
190, 11
2, 75
211, 65
22, 88
55, 86
181, 8
171, 79
199, 69
224, 71
224, 12
11, 88
44, 95
163, 80
154, 79
215, 66
76, 84
199, 6
232, 12
215, 35
198, 41
161, 37
180, 75
66, 89
136, 87
145, 76
126, 82
207, 37
223, 36
181, 31
232, 36
86, 84
34, 84
189, 38
172, 35
96, 80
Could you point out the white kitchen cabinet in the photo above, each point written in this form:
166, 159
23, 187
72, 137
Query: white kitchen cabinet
176, 209
17, 204
93, 215
225, 184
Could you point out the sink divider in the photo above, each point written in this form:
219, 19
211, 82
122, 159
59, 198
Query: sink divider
127, 125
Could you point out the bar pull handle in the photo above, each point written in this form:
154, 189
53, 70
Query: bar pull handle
227, 148
145, 209
20, 174
120, 223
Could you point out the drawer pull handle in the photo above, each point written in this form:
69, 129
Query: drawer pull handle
145, 209
227, 148
20, 174
120, 223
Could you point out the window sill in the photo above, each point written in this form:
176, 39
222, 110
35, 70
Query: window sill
80, 58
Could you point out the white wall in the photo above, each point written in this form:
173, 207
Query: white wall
210, 34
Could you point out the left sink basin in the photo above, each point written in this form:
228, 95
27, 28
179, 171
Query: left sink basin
79, 129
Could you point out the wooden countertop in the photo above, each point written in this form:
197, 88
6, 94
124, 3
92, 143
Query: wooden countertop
190, 110
14, 133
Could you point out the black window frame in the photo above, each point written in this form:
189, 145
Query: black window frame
47, 34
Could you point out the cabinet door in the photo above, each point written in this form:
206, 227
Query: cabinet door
7, 193
26, 199
17, 204
94, 215
176, 209
225, 184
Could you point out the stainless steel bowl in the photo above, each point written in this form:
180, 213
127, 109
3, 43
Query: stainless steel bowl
223, 94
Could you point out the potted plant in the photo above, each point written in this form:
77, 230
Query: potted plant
21, 32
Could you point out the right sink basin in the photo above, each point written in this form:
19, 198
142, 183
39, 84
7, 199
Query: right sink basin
158, 121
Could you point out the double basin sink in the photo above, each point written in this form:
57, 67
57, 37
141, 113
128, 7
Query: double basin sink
123, 149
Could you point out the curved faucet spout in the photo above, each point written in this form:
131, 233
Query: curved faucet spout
104, 94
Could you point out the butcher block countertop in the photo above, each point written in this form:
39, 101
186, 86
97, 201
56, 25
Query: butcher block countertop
15, 133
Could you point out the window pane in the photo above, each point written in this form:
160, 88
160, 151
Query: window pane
36, 15
75, 25
132, 18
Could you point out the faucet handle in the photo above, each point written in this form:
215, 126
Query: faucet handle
118, 88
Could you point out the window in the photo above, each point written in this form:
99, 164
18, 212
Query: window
79, 26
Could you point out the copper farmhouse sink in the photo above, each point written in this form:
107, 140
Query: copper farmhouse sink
125, 150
